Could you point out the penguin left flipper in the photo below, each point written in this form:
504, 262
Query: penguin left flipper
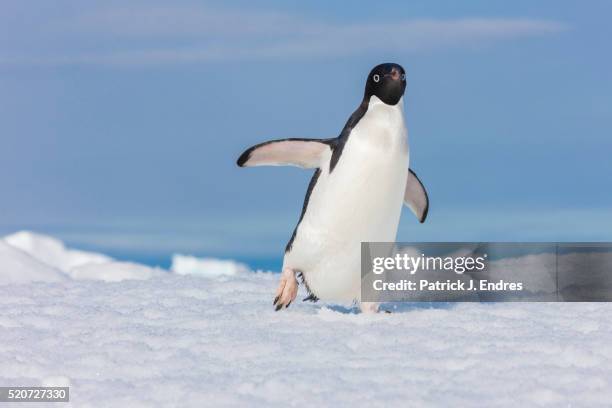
415, 196
305, 153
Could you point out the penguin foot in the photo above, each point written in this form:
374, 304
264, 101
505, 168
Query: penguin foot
287, 289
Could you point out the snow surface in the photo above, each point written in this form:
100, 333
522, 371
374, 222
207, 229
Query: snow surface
190, 265
192, 341
114, 271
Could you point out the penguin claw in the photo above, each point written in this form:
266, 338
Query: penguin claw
280, 305
310, 298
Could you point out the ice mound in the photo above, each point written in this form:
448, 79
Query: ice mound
31, 257
191, 265
113, 272
17, 266
45, 258
52, 251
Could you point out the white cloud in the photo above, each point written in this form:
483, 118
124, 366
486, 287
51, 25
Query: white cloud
140, 35
181, 21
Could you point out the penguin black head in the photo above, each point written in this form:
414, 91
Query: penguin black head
387, 82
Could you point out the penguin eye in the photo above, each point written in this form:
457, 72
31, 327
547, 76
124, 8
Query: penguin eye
376, 77
403, 77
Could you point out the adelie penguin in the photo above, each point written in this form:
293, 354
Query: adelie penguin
361, 181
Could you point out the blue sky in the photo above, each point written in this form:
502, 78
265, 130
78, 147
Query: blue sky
120, 124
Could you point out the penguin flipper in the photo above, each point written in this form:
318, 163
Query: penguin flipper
415, 196
305, 153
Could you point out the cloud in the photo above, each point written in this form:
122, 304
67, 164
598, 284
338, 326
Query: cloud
181, 21
170, 35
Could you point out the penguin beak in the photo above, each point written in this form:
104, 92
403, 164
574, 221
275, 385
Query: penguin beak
394, 74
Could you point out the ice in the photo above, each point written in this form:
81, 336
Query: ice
51, 256
190, 265
189, 341
52, 251
214, 340
17, 266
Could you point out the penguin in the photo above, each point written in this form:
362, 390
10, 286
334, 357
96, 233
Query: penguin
361, 181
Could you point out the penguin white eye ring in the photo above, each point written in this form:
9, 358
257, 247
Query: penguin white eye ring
361, 179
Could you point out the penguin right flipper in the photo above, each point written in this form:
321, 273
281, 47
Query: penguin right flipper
305, 153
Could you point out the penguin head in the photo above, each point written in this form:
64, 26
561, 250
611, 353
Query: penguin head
387, 82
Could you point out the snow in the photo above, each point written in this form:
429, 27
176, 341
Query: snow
17, 266
52, 251
193, 340
114, 272
190, 265
30, 257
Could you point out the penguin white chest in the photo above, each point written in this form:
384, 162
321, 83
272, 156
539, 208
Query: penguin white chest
359, 200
